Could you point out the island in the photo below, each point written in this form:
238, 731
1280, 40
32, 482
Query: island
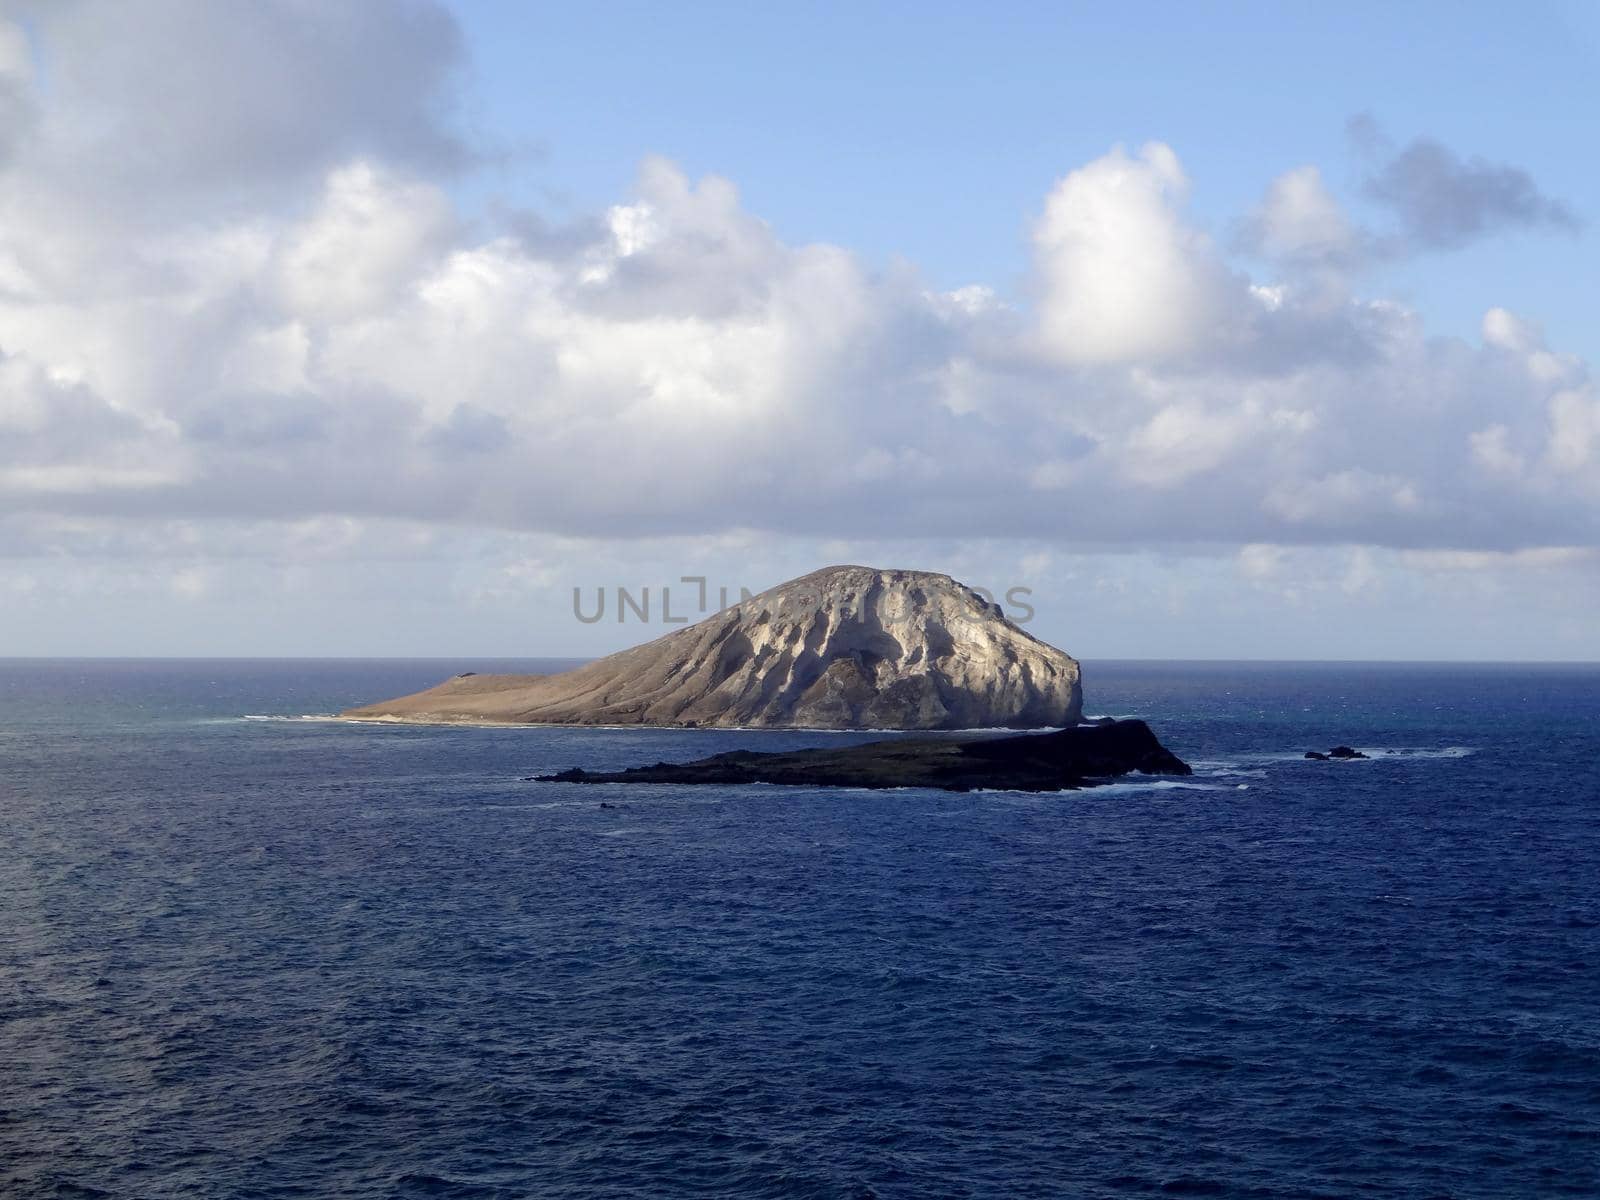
846, 647
1035, 762
843, 648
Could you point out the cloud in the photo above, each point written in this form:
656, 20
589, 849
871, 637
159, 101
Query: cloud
686, 370
16, 82
335, 341
1535, 557
1438, 200
369, 239
1443, 201
1571, 437
1339, 496
1182, 440
1298, 221
58, 438
1121, 275
173, 107
1575, 431
1260, 560
1492, 451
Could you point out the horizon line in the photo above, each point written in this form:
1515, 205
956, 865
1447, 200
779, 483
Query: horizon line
333, 658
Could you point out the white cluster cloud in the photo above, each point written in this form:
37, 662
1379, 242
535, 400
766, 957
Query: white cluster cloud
1123, 278
232, 298
1300, 222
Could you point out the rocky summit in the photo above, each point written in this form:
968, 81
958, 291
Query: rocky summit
842, 648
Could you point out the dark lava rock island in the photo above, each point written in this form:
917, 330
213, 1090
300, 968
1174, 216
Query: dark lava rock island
1035, 762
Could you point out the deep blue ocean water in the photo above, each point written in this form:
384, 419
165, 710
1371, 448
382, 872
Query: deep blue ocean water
246, 957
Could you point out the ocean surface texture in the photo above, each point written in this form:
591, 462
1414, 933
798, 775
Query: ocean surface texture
249, 955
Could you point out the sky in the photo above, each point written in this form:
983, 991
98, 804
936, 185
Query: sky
421, 328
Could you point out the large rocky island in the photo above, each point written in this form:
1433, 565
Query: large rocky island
842, 648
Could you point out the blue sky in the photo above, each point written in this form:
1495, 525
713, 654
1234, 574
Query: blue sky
1253, 330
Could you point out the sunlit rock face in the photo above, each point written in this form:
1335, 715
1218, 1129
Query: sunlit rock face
842, 648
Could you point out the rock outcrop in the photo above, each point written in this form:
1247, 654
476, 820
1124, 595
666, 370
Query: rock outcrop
1337, 753
842, 648
1032, 762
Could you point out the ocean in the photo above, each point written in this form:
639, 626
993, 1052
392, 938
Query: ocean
246, 954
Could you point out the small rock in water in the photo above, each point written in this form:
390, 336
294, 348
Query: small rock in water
1317, 754
1345, 752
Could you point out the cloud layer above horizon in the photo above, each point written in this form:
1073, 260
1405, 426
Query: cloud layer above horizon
245, 297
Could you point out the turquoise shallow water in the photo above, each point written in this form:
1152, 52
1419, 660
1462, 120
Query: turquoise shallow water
252, 956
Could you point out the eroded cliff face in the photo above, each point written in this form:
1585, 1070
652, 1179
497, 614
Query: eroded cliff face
841, 648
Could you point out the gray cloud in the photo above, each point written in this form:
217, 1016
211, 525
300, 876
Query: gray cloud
168, 101
1443, 201
1438, 199
17, 110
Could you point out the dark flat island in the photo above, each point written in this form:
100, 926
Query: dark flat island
1032, 762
